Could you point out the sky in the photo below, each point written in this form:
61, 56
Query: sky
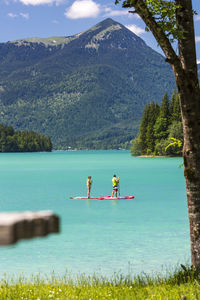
20, 19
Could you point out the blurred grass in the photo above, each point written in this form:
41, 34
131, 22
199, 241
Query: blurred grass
183, 283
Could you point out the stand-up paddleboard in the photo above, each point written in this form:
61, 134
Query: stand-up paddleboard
116, 198
83, 197
105, 198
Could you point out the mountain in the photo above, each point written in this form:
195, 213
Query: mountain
86, 90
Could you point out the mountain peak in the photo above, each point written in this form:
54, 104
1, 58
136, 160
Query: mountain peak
108, 22
111, 34
107, 31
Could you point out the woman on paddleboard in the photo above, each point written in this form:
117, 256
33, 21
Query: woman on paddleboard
115, 182
89, 185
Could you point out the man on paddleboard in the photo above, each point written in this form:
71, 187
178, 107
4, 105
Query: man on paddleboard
115, 182
89, 185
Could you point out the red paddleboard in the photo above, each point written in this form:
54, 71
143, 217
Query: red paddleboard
116, 198
105, 198
83, 198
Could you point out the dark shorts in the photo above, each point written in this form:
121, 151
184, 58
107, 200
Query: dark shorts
115, 187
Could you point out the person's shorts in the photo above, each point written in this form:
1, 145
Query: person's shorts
115, 187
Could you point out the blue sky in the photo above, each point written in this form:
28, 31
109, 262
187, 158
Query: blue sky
44, 18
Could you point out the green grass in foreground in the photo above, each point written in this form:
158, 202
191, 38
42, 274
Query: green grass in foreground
182, 284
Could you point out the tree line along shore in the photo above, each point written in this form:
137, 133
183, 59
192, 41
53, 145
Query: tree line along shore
160, 124
22, 141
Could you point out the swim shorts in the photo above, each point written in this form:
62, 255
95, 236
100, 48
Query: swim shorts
115, 187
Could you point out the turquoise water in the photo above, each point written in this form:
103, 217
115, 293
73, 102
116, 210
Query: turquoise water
144, 234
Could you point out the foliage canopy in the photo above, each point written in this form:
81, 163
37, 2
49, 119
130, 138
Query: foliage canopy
165, 14
159, 125
22, 141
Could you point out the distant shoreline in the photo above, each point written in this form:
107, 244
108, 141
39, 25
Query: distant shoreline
157, 156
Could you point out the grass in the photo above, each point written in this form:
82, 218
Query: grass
183, 284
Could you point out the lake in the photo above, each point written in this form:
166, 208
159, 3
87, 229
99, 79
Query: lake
148, 233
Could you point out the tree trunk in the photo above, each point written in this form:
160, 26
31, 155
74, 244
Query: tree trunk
185, 69
190, 107
189, 95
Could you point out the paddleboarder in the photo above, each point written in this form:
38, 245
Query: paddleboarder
89, 185
115, 182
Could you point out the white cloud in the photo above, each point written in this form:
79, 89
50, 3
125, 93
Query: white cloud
135, 29
36, 2
197, 18
114, 13
25, 16
11, 15
198, 61
109, 12
40, 2
197, 39
22, 15
83, 9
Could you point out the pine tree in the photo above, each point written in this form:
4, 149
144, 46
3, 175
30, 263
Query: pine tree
176, 111
162, 122
144, 143
153, 113
159, 124
143, 129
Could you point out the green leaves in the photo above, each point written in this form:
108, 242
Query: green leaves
22, 141
175, 142
164, 13
160, 132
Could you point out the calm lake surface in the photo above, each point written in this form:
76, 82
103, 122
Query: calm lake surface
147, 233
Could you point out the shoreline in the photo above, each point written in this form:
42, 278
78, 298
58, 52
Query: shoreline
157, 156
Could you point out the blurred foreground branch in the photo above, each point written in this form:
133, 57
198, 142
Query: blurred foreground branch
15, 226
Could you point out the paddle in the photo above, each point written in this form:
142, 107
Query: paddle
119, 188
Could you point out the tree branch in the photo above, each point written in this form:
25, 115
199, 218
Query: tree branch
142, 10
187, 51
132, 11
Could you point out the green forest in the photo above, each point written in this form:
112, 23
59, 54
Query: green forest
82, 96
160, 124
22, 141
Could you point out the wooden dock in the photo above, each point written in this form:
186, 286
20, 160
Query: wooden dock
15, 226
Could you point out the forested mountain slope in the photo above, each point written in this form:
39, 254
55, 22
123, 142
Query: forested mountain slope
87, 90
